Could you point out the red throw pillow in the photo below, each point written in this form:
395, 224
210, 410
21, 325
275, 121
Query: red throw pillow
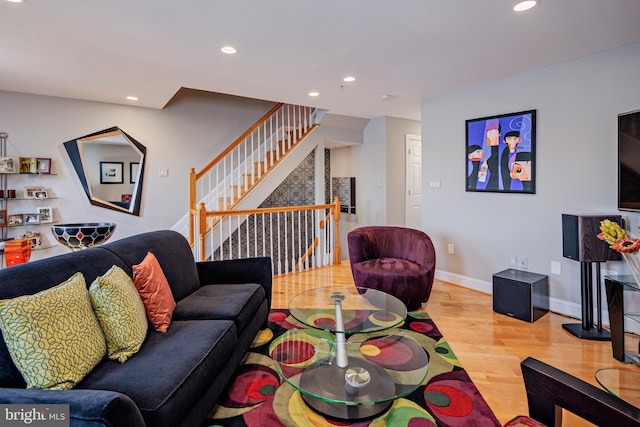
155, 292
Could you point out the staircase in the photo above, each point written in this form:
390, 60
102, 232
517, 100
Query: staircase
228, 182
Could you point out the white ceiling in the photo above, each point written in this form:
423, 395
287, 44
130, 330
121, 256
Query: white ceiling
104, 50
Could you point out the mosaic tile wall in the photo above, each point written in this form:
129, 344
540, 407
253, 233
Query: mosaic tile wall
298, 189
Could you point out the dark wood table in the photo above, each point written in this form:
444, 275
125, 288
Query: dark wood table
615, 285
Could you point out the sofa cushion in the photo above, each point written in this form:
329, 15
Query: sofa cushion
35, 276
238, 302
53, 336
170, 248
171, 370
154, 289
121, 313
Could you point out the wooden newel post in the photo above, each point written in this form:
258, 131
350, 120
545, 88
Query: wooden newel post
202, 228
192, 205
337, 256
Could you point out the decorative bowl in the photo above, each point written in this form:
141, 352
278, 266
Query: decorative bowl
83, 235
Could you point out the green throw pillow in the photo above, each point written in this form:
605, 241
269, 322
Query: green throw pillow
121, 313
53, 336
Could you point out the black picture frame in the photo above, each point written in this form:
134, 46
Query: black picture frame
133, 172
500, 153
111, 172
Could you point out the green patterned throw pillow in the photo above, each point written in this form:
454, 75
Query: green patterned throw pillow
53, 336
121, 313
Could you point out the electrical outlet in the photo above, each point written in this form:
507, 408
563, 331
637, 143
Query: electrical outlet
556, 268
524, 263
163, 172
451, 249
513, 261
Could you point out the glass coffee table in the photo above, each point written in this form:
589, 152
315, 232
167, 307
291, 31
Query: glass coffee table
623, 383
350, 363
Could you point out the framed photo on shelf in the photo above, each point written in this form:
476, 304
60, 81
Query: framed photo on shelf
133, 172
16, 219
111, 172
46, 214
43, 165
3, 217
28, 165
501, 153
35, 237
32, 218
35, 193
8, 165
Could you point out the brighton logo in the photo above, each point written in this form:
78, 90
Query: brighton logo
35, 415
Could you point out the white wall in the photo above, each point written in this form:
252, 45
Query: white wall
577, 104
188, 132
378, 164
397, 129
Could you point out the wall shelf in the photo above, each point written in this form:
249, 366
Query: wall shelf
26, 230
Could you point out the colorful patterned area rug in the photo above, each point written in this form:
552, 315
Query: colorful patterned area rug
258, 397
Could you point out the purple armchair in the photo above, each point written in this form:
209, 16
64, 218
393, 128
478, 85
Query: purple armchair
396, 260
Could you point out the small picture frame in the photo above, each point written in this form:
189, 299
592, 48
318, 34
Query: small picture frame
3, 217
15, 219
31, 218
111, 172
46, 214
35, 237
43, 165
35, 193
28, 165
8, 165
133, 172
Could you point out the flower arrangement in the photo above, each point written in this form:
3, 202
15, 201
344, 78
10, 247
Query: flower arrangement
618, 240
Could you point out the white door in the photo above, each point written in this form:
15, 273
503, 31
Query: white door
413, 147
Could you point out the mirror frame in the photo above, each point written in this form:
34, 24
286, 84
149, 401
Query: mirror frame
75, 155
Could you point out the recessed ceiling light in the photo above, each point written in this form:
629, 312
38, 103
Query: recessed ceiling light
132, 98
16, 1
349, 79
525, 5
229, 50
314, 93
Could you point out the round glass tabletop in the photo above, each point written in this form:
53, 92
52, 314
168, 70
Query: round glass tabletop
363, 309
623, 383
380, 368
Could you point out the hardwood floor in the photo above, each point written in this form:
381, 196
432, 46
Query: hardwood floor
489, 345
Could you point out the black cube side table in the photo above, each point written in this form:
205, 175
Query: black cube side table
521, 294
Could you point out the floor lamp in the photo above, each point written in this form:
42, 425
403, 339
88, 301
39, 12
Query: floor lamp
579, 242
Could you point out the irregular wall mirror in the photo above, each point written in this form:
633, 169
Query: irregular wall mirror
110, 166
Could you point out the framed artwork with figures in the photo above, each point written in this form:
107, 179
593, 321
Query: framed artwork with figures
500, 153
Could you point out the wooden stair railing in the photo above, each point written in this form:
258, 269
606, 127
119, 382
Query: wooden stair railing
316, 241
240, 167
255, 245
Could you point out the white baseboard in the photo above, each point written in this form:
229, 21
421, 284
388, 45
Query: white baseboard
465, 281
556, 305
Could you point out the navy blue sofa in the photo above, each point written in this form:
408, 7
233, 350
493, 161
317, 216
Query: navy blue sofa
176, 377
